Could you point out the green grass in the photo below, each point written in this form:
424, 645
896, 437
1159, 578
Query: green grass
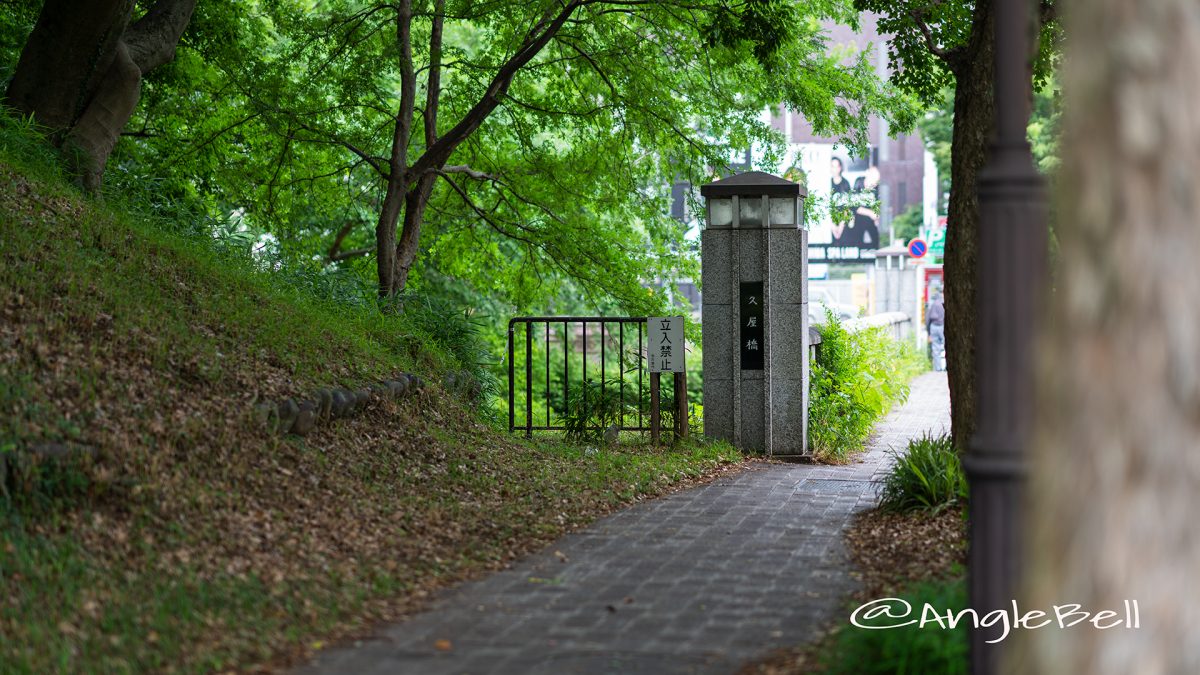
196, 542
907, 650
153, 280
928, 476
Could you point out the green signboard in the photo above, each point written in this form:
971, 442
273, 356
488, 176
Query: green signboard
937, 242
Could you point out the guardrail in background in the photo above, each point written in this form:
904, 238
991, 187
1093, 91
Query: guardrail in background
898, 323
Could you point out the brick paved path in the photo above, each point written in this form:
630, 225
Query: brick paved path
701, 581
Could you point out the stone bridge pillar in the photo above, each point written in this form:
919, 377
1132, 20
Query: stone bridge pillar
754, 270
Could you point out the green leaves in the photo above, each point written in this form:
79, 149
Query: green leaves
929, 39
926, 40
763, 25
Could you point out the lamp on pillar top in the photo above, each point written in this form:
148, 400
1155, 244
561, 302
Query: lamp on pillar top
754, 274
751, 194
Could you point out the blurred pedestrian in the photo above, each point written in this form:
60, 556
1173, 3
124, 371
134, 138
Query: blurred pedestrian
935, 326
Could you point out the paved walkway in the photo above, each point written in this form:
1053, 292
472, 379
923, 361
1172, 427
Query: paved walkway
700, 581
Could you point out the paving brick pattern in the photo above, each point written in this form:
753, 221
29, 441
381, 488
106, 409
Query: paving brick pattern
700, 581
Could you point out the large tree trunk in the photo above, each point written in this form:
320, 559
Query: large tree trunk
1117, 455
973, 128
67, 54
80, 72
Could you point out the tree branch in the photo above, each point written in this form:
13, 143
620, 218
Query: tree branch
930, 44
433, 89
328, 138
537, 38
408, 91
595, 67
151, 40
463, 169
484, 216
355, 253
337, 240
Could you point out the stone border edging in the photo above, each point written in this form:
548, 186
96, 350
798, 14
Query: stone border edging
299, 418
287, 416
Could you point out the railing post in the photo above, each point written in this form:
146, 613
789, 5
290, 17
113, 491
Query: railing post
529, 380
584, 391
681, 405
621, 373
568, 339
642, 364
603, 371
655, 417
511, 377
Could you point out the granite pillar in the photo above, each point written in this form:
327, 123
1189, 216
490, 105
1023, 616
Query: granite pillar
752, 236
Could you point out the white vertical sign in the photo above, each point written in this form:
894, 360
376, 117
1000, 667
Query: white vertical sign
665, 348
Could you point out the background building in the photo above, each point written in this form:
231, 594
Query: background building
844, 275
907, 174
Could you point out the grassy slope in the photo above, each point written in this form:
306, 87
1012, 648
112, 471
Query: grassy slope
201, 542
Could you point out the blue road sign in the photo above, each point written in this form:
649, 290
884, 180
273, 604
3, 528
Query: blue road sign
917, 248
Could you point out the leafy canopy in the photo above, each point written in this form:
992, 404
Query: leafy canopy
281, 111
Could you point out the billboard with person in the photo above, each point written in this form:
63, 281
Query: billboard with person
843, 201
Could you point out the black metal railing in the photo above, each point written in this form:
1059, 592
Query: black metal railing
589, 341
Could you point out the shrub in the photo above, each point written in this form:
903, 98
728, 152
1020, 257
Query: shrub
909, 649
593, 408
588, 417
459, 333
855, 380
928, 476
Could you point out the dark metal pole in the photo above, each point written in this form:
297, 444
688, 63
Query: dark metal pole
1010, 274
641, 365
655, 416
585, 380
568, 337
621, 372
529, 380
681, 405
603, 368
511, 379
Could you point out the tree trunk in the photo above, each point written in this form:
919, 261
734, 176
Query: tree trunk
414, 205
81, 69
1115, 469
385, 238
410, 236
92, 139
67, 55
973, 129
397, 186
